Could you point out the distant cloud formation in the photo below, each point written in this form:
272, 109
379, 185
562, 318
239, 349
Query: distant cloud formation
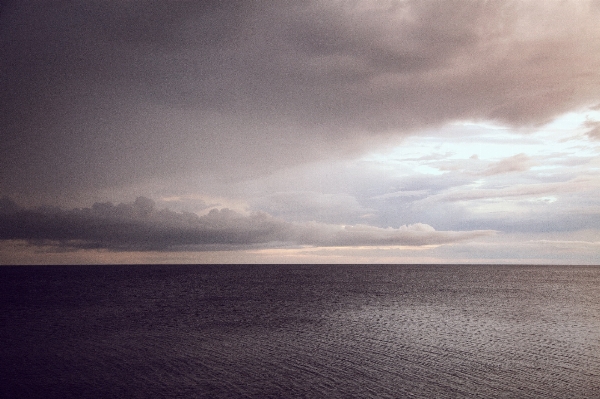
140, 226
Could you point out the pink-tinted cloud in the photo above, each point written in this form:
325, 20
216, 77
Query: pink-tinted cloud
517, 163
594, 132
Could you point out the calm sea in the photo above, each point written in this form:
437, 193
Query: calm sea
300, 331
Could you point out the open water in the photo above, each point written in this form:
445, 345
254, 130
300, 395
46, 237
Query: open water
300, 331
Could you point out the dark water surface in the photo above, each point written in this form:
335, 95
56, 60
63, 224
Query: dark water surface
300, 331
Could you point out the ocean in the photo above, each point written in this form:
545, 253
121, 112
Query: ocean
300, 331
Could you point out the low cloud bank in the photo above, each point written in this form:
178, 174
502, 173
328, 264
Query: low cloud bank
141, 226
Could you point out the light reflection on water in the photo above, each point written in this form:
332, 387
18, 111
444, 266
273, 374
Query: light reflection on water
301, 331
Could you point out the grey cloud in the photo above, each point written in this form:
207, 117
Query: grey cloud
417, 234
518, 190
125, 91
473, 166
428, 62
430, 157
402, 194
141, 226
516, 163
594, 132
307, 206
537, 221
138, 226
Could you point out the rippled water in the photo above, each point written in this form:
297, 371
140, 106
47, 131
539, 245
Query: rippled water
300, 331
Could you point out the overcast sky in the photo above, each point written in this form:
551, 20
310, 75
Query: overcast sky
300, 131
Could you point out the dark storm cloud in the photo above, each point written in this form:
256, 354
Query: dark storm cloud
141, 226
102, 93
136, 226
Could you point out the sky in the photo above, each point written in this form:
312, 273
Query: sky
300, 131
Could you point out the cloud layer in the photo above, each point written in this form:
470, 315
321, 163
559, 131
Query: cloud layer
126, 91
140, 226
